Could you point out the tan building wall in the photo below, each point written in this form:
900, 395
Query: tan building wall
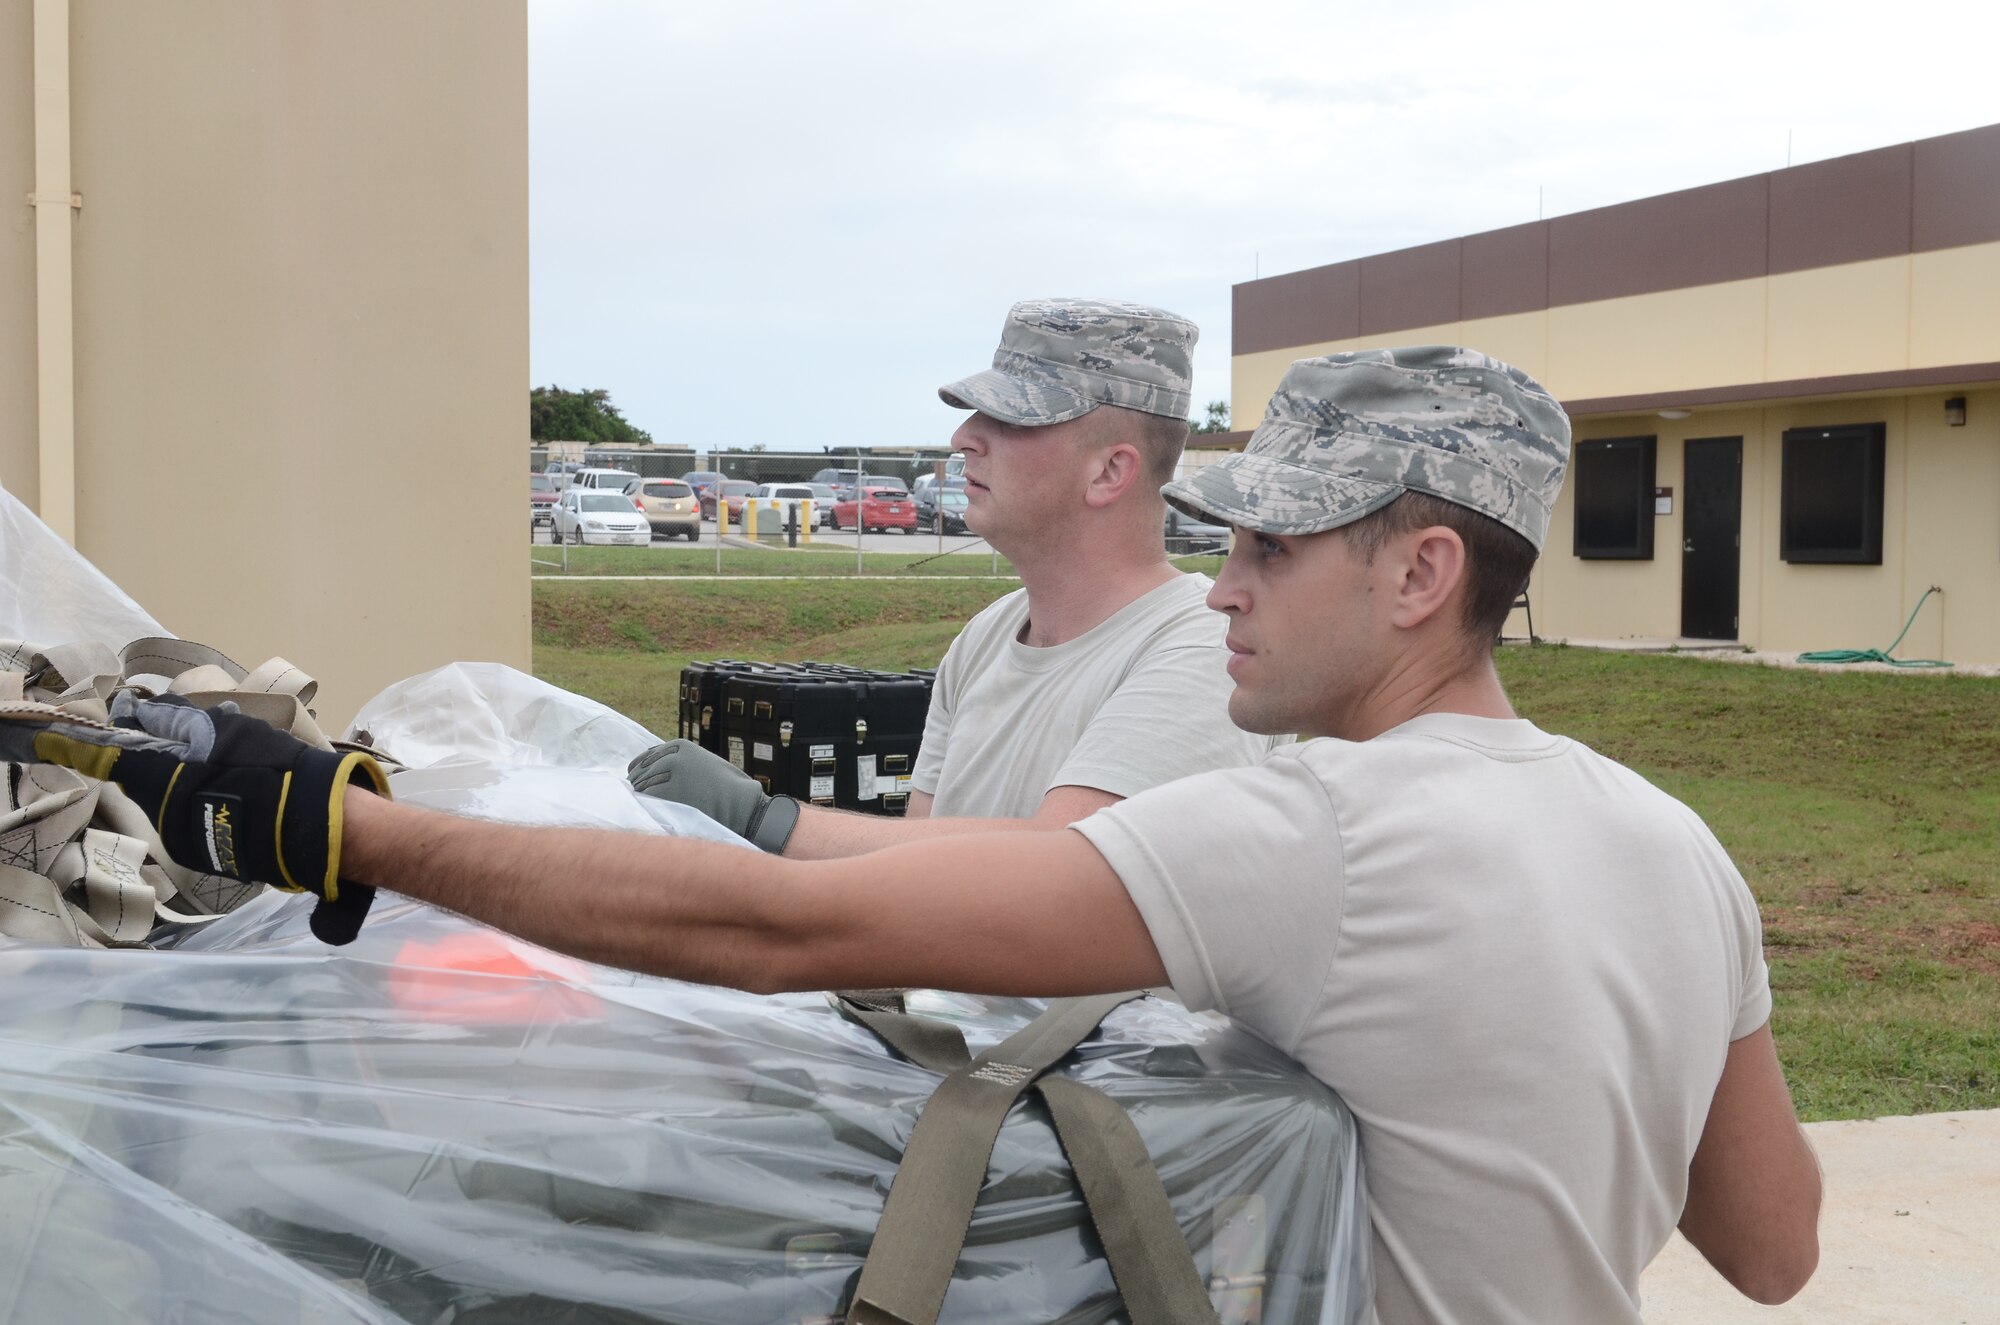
20, 468
301, 311
1858, 290
1940, 525
1913, 312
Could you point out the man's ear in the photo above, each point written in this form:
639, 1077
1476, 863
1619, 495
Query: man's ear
1429, 566
1118, 467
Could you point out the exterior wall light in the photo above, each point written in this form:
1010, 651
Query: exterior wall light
1954, 412
1675, 413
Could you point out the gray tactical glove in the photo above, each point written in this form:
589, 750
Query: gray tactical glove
683, 772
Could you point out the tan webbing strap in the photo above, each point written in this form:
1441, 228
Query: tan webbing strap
937, 1185
909, 1266
1143, 1243
925, 1041
79, 863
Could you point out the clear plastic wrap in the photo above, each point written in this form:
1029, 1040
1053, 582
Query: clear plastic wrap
49, 594
488, 713
441, 1124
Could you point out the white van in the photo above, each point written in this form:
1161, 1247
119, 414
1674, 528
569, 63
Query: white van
613, 479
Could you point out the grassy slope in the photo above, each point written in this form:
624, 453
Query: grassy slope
1864, 809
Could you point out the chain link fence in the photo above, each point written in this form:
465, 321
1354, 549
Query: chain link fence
778, 551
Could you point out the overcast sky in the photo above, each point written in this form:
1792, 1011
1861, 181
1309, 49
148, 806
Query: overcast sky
788, 223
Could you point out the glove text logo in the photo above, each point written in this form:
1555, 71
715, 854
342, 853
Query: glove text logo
218, 822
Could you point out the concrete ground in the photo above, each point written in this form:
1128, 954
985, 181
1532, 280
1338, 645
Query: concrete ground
1909, 1233
1700, 648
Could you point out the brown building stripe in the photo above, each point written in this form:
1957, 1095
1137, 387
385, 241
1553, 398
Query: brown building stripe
1504, 271
1849, 209
1956, 186
1906, 379
1302, 308
1909, 379
1412, 287
1914, 198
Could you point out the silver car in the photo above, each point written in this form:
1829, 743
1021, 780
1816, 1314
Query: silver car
592, 515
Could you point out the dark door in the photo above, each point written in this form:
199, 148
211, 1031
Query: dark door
1711, 532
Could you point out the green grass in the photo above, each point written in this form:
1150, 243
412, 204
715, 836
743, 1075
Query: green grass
624, 644
830, 558
1863, 808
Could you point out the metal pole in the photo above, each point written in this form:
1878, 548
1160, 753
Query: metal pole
859, 497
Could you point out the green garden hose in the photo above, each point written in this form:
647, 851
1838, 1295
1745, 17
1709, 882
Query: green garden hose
1880, 655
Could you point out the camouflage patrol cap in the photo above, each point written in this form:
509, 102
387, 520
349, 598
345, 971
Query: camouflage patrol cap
1059, 359
1347, 434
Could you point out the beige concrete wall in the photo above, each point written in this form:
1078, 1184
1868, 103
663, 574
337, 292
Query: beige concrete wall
1923, 310
1940, 525
301, 324
20, 466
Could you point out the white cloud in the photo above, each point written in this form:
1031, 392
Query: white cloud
787, 223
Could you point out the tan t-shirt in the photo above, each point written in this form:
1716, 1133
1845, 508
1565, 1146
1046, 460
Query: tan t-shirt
1519, 963
1139, 700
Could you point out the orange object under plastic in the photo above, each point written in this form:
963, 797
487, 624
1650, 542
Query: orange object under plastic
485, 977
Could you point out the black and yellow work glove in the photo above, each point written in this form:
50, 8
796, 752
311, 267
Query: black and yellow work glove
230, 795
683, 772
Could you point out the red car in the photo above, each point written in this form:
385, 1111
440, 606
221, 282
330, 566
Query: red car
880, 507
730, 494
542, 498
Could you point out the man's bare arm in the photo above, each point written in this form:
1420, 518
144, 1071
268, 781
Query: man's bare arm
1754, 1186
1009, 913
823, 834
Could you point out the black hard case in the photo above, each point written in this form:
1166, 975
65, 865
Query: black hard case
825, 733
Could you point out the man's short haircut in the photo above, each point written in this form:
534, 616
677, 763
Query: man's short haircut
1497, 560
1160, 439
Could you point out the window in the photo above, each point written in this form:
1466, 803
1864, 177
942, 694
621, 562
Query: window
1613, 482
1831, 510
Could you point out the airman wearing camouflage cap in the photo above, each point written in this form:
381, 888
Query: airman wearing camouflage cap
1105, 673
1347, 434
1059, 359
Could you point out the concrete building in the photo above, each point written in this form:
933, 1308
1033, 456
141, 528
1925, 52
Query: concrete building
1786, 393
264, 319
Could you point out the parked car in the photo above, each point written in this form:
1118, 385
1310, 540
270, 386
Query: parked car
774, 500
613, 480
562, 471
823, 499
880, 506
1186, 535
941, 507
592, 515
731, 491
842, 481
670, 506
542, 498
701, 480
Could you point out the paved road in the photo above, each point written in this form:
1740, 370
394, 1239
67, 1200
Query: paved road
1909, 1233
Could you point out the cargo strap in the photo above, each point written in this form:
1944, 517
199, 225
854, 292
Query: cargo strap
930, 1204
80, 865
